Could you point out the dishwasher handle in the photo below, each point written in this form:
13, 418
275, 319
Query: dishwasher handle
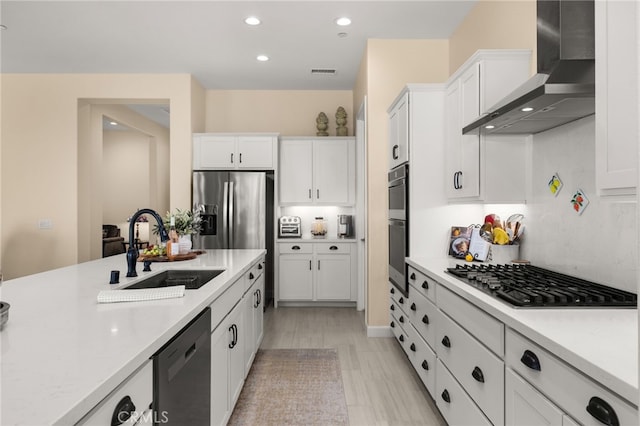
184, 357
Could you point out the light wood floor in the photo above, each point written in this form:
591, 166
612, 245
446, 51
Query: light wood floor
381, 387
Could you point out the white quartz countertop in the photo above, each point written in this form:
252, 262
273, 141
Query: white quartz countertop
602, 343
62, 352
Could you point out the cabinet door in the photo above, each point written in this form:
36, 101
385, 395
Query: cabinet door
255, 152
258, 316
295, 281
248, 312
333, 277
220, 340
524, 405
296, 171
399, 132
214, 152
237, 331
616, 96
331, 161
470, 95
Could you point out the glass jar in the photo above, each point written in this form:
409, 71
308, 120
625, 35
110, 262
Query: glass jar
319, 227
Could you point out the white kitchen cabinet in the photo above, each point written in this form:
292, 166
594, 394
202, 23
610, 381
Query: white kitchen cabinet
524, 405
399, 131
253, 317
481, 168
316, 272
616, 44
317, 171
232, 151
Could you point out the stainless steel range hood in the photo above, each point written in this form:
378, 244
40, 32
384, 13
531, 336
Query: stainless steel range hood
563, 90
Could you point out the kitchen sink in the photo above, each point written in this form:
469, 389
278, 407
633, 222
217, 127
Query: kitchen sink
190, 278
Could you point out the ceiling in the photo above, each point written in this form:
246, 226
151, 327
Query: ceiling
210, 40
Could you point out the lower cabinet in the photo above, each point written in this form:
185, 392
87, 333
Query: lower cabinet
453, 402
316, 272
253, 320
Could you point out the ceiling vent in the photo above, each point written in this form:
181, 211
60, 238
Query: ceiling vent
323, 71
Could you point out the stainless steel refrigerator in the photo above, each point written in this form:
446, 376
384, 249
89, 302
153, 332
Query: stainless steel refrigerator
237, 212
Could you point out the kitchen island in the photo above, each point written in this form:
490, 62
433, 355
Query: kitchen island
62, 352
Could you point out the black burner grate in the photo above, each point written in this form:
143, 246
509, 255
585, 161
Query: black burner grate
531, 286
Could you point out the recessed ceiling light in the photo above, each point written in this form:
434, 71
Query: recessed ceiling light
343, 22
3, 27
526, 109
262, 58
252, 20
342, 35
113, 123
490, 126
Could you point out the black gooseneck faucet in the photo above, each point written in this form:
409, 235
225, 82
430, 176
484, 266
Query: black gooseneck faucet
132, 253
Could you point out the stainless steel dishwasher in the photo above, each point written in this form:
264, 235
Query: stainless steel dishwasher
182, 376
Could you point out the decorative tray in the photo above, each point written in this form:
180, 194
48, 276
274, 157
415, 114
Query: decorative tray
187, 256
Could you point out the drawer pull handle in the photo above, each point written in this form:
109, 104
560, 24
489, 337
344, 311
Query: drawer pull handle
295, 248
425, 319
260, 266
412, 276
530, 360
445, 396
477, 374
413, 307
393, 324
123, 411
446, 342
425, 285
413, 347
401, 338
425, 365
251, 275
602, 411
401, 319
393, 291
393, 307
333, 248
401, 300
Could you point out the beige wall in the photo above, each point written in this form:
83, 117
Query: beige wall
495, 24
391, 64
288, 112
44, 170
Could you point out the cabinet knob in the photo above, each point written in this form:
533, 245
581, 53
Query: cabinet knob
260, 266
413, 307
393, 324
401, 300
413, 347
425, 285
477, 374
392, 291
446, 342
123, 411
445, 396
401, 338
393, 307
412, 276
425, 365
530, 360
251, 275
602, 411
425, 319
401, 319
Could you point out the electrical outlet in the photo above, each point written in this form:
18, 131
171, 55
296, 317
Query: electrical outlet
45, 224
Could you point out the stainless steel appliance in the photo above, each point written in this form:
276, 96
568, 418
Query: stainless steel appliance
238, 214
345, 226
527, 286
182, 375
399, 226
290, 227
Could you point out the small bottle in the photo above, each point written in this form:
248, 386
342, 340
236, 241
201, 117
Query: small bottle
173, 245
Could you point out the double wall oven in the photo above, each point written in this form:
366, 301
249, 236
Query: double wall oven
399, 226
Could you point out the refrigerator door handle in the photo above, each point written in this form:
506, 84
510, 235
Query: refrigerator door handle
225, 214
231, 216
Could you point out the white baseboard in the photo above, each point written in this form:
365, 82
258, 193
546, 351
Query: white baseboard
379, 331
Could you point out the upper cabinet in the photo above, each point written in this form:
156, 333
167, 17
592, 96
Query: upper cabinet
484, 168
399, 131
317, 171
231, 151
616, 42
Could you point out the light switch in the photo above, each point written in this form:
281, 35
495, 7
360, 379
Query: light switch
45, 224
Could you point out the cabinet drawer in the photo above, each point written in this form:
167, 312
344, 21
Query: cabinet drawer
253, 273
455, 405
332, 248
225, 303
398, 330
138, 387
422, 358
422, 314
421, 283
479, 371
571, 390
293, 248
398, 298
478, 323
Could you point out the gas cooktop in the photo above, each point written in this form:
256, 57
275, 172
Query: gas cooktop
534, 287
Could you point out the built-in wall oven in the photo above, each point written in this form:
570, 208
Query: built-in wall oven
399, 226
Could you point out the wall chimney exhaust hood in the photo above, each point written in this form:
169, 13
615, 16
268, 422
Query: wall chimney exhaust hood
563, 90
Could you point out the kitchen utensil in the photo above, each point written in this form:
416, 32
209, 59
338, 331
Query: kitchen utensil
518, 236
4, 314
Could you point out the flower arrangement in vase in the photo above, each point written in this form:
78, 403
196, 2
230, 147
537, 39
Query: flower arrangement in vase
187, 222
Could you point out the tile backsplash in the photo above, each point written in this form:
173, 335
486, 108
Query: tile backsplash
601, 243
